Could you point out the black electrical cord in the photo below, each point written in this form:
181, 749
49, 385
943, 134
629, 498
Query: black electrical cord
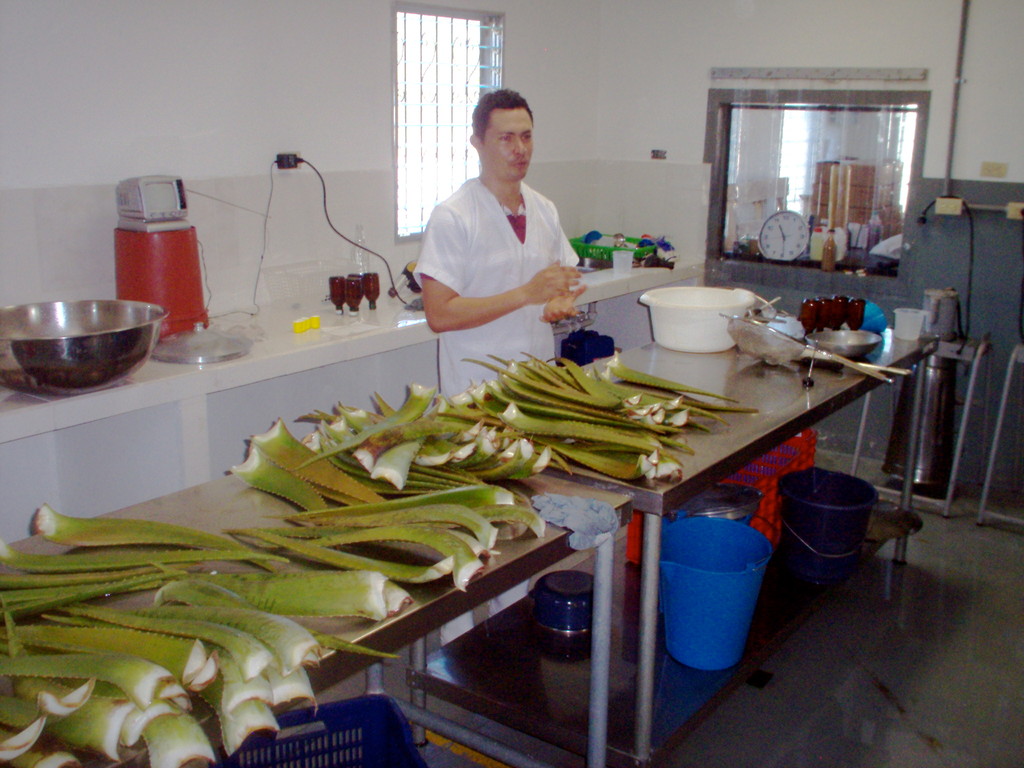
963, 333
327, 215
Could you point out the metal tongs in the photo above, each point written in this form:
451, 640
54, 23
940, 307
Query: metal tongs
761, 340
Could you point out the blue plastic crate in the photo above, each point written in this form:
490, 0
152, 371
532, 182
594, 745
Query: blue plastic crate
368, 732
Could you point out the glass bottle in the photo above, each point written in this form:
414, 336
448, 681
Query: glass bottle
358, 252
828, 252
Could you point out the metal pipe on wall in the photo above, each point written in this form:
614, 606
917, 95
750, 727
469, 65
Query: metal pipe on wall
957, 82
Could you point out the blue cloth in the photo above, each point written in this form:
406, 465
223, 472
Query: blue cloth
591, 521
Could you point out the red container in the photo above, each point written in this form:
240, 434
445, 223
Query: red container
162, 268
763, 473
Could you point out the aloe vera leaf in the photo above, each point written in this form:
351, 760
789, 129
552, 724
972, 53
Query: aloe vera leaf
282, 448
513, 513
109, 531
174, 741
174, 692
249, 717
520, 462
230, 690
19, 741
617, 368
137, 720
393, 465
440, 513
45, 757
623, 466
466, 495
599, 394
290, 642
399, 571
333, 643
96, 725
139, 679
576, 430
604, 417
376, 445
197, 590
290, 687
250, 654
311, 593
466, 563
260, 472
435, 452
61, 701
182, 657
30, 602
17, 713
121, 557
14, 581
415, 405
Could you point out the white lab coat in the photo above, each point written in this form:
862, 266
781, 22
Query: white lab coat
470, 246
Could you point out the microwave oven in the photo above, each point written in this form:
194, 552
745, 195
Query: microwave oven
151, 203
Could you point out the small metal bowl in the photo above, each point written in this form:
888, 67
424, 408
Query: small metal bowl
71, 347
846, 343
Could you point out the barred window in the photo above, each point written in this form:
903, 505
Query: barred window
444, 61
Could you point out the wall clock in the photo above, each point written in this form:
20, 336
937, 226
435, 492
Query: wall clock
784, 236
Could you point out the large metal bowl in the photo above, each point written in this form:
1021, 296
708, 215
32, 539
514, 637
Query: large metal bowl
71, 347
846, 343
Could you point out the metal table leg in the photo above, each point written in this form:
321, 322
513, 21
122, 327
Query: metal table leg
600, 655
648, 635
1016, 358
978, 354
910, 461
855, 464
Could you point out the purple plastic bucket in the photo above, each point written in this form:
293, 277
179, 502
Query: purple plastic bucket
824, 520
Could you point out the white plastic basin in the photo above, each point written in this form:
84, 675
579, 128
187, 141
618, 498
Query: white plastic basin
695, 318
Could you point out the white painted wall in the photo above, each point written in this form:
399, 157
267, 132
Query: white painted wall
657, 55
97, 90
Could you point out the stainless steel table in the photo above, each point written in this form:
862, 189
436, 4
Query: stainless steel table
228, 503
785, 407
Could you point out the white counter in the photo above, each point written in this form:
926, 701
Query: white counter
170, 426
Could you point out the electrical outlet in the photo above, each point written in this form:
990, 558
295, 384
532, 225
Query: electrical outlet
287, 160
993, 170
1015, 211
949, 206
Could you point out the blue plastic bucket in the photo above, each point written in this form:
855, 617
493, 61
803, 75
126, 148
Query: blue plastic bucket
824, 519
711, 572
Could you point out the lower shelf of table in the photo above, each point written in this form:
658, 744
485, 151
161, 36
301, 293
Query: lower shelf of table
510, 670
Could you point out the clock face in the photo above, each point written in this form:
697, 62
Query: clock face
784, 236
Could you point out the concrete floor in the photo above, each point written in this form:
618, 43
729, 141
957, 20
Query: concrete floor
919, 665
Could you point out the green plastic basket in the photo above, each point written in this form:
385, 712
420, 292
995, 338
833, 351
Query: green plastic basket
604, 252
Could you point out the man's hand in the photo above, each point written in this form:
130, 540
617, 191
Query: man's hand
561, 307
551, 282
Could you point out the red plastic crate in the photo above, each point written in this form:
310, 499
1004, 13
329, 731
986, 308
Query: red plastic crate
763, 473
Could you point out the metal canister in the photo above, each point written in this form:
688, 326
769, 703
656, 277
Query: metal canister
942, 305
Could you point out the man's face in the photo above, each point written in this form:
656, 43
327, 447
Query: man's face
506, 146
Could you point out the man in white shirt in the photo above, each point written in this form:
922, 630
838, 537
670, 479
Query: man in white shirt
496, 267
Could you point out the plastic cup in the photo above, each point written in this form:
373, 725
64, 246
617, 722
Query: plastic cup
908, 323
622, 262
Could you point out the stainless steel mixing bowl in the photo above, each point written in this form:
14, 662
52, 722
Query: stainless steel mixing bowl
846, 343
71, 347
